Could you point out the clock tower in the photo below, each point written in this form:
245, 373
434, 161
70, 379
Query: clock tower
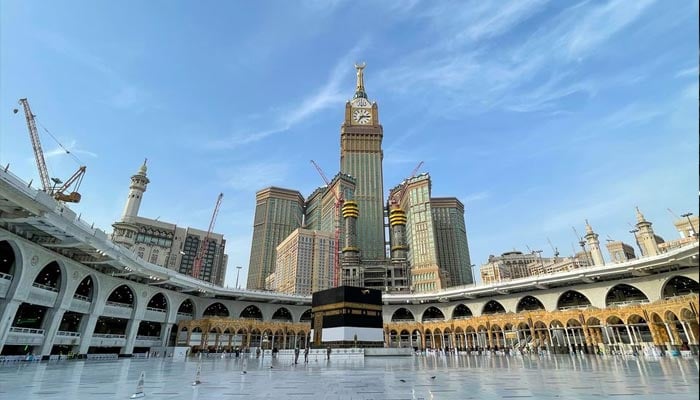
361, 157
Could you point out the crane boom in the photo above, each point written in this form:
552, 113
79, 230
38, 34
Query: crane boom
338, 201
36, 145
402, 191
197, 265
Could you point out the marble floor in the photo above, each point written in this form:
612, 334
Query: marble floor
417, 377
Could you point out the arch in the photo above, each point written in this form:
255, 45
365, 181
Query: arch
529, 303
216, 310
305, 316
572, 299
282, 314
679, 286
462, 312
186, 308
8, 258
50, 277
122, 294
86, 289
432, 314
623, 293
402, 315
493, 307
251, 312
158, 302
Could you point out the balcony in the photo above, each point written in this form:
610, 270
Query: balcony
80, 304
155, 314
25, 336
119, 310
67, 338
42, 295
108, 340
5, 281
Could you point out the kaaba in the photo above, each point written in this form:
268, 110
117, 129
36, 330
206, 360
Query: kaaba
347, 316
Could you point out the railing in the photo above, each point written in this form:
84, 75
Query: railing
27, 330
122, 305
160, 310
5, 276
626, 303
45, 287
81, 297
581, 307
108, 336
188, 315
102, 356
68, 333
147, 337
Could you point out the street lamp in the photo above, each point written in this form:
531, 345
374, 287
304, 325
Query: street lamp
687, 215
238, 273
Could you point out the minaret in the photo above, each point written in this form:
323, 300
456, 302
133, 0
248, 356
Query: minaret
594, 245
352, 275
645, 236
136, 190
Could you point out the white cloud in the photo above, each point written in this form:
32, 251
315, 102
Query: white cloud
70, 148
532, 75
328, 95
249, 177
688, 72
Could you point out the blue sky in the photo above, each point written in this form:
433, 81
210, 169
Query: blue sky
536, 114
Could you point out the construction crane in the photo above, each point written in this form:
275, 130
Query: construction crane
197, 265
554, 249
336, 211
57, 192
396, 202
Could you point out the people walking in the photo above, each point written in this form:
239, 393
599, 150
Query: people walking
328, 353
306, 354
296, 354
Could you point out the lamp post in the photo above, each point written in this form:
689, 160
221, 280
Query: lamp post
687, 215
238, 273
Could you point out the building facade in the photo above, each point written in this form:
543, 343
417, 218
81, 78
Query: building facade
451, 239
166, 244
278, 212
305, 262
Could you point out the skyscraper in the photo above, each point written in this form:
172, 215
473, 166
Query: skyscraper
451, 239
361, 157
278, 212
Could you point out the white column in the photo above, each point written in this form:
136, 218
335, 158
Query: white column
52, 322
670, 336
7, 315
132, 329
87, 322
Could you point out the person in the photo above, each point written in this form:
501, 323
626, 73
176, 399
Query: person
328, 353
257, 352
306, 354
296, 354
274, 352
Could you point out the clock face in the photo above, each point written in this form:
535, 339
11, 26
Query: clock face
361, 116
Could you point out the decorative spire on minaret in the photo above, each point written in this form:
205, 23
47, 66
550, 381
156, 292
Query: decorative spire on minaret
139, 181
360, 87
646, 236
640, 216
594, 245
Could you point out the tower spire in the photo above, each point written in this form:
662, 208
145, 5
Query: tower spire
360, 87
